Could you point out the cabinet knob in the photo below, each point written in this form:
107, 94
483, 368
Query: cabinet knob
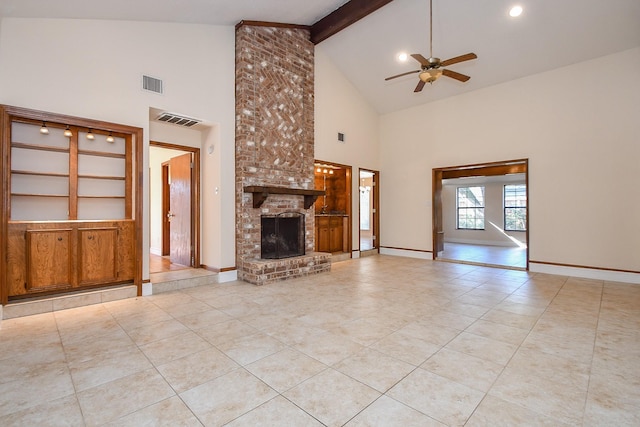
59, 239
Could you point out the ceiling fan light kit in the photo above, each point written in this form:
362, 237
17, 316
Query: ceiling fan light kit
431, 68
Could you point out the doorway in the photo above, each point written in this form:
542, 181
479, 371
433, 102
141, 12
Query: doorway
174, 207
369, 208
490, 240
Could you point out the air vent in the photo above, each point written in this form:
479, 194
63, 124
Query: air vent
178, 119
152, 84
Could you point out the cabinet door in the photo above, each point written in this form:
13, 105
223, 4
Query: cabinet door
335, 230
97, 255
322, 235
48, 259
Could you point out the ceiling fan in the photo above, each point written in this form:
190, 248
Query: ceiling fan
431, 68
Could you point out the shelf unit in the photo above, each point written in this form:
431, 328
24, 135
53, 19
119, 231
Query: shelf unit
69, 211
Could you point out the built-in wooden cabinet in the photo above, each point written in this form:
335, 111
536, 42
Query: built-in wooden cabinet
330, 233
70, 216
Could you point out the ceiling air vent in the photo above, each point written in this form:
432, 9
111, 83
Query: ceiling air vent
152, 84
178, 119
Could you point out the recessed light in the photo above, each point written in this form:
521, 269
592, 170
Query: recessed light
402, 57
515, 11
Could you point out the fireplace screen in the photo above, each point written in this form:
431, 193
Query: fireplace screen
282, 236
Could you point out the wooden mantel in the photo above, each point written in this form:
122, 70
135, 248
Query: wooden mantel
261, 193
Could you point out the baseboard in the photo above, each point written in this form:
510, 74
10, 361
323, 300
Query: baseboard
227, 276
585, 272
409, 253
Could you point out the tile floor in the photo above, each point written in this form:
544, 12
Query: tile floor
378, 341
488, 255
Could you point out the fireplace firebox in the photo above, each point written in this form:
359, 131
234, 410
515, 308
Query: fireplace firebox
282, 235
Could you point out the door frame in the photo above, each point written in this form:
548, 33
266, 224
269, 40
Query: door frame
195, 196
505, 167
348, 193
376, 207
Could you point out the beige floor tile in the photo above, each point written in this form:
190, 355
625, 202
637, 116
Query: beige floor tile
557, 400
124, 396
555, 368
192, 307
285, 369
98, 345
107, 367
161, 330
81, 316
171, 412
361, 331
196, 369
204, 319
438, 335
226, 331
40, 384
498, 331
444, 400
59, 412
406, 348
177, 347
32, 325
484, 348
328, 348
391, 413
471, 371
500, 413
276, 413
514, 320
578, 348
146, 317
332, 397
377, 370
448, 319
83, 333
248, 349
226, 398
21, 348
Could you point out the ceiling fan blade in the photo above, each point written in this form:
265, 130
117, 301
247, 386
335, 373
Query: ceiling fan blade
461, 77
457, 59
421, 59
403, 74
420, 86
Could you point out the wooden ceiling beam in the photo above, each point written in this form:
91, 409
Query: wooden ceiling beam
341, 18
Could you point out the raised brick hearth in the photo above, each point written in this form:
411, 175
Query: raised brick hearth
274, 144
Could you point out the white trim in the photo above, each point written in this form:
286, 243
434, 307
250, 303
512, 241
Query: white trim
406, 253
355, 254
147, 289
586, 273
227, 276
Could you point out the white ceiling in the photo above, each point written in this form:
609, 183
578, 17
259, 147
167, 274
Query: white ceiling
548, 35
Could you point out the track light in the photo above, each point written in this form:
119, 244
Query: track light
44, 130
90, 135
110, 138
67, 132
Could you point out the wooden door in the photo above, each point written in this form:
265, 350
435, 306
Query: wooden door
48, 260
322, 234
180, 213
335, 234
97, 255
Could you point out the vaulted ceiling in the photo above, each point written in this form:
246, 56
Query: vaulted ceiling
549, 34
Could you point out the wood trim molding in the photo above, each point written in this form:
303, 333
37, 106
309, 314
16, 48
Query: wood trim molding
218, 270
270, 24
5, 150
589, 267
347, 14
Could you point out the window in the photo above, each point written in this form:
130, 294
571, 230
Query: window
470, 203
515, 207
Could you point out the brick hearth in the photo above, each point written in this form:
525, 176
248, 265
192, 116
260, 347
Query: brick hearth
274, 143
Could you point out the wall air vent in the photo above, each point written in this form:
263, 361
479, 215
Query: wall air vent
178, 119
152, 84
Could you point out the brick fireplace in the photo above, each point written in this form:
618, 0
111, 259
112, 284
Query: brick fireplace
274, 145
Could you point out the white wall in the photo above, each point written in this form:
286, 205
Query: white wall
339, 107
93, 69
579, 128
493, 213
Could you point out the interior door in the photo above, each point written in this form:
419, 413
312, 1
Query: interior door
180, 209
438, 229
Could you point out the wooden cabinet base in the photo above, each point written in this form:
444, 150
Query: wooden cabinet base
46, 257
